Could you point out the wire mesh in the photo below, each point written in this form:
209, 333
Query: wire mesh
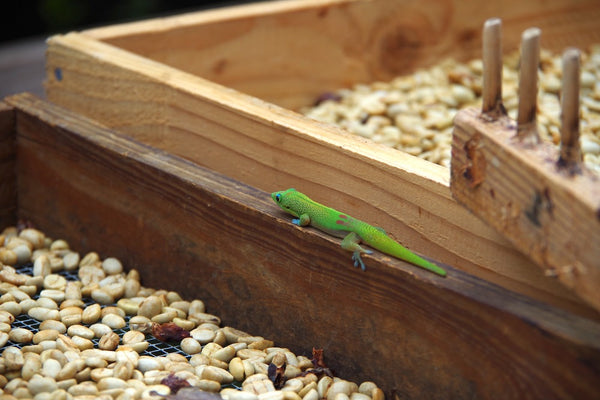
156, 348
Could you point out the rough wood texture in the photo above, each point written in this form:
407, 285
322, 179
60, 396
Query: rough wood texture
8, 157
214, 238
549, 214
269, 50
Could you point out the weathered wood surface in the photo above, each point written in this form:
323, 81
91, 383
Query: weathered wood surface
272, 148
8, 158
207, 236
290, 52
551, 216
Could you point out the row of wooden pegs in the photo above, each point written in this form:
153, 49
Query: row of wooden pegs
570, 149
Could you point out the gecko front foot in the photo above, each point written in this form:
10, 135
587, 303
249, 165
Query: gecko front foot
358, 260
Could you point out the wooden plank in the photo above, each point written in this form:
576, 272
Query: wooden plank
290, 52
272, 148
549, 215
8, 157
412, 332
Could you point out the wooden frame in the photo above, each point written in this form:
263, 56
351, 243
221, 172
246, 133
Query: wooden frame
518, 188
176, 83
415, 334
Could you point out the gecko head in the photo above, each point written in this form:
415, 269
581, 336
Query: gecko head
285, 200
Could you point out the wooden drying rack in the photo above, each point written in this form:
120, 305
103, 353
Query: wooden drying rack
195, 86
542, 199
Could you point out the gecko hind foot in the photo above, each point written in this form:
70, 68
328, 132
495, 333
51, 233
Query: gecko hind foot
358, 260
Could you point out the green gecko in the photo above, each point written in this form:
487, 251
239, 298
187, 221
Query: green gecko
309, 212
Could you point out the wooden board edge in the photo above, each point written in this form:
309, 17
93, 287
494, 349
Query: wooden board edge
8, 157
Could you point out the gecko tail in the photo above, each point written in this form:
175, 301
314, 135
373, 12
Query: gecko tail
423, 263
389, 246
403, 253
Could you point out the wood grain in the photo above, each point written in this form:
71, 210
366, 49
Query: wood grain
272, 148
8, 157
208, 236
549, 214
290, 52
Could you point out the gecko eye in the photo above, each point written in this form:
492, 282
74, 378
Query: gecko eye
278, 198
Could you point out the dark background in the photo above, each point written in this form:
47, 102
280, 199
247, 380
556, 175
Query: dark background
25, 25
26, 18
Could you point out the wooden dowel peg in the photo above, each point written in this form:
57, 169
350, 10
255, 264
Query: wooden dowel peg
528, 78
492, 69
570, 158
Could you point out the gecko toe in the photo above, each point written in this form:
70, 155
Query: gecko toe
358, 262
